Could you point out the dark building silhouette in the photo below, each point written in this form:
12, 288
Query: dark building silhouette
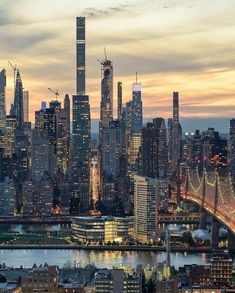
18, 106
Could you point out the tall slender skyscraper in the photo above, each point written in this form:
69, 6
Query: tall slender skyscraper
176, 132
26, 106
106, 107
18, 107
2, 99
119, 93
137, 112
81, 55
81, 121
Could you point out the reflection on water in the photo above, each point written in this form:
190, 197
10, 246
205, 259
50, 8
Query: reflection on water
31, 228
101, 259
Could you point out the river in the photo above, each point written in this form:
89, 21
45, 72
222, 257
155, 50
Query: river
101, 259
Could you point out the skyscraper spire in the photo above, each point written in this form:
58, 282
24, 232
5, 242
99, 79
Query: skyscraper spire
18, 108
81, 55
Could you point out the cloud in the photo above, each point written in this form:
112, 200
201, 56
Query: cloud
92, 12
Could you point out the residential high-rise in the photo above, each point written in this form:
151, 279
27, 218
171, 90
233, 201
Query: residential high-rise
43, 156
137, 112
67, 109
149, 151
221, 269
81, 130
62, 141
161, 146
11, 124
26, 106
18, 106
176, 132
119, 105
81, 136
46, 123
112, 151
145, 209
106, 106
81, 55
2, 99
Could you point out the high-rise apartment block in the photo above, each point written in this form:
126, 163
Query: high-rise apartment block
145, 209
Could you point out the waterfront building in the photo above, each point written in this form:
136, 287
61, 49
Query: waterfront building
145, 209
100, 229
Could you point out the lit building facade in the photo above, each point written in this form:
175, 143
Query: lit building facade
96, 229
145, 209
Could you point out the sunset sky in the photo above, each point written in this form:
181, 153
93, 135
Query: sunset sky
183, 45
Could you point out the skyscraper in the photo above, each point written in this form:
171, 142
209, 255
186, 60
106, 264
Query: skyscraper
18, 107
2, 99
119, 93
145, 209
176, 132
106, 106
81, 121
137, 113
81, 55
149, 151
26, 106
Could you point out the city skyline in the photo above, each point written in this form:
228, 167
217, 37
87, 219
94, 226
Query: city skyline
196, 60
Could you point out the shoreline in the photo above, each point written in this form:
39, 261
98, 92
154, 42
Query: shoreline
108, 248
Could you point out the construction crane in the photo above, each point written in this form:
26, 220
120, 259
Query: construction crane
14, 69
54, 92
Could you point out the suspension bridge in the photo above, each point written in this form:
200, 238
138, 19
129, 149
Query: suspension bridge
215, 195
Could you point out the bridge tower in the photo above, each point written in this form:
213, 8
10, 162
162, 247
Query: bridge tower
215, 225
187, 188
202, 224
178, 190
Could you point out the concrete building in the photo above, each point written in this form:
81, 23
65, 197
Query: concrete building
117, 281
41, 280
145, 209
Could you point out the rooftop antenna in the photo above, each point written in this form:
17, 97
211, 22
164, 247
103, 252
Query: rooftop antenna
105, 54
